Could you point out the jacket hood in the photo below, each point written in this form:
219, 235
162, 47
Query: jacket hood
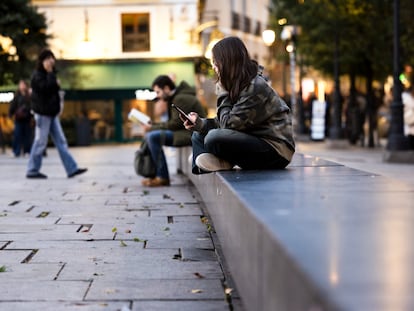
185, 88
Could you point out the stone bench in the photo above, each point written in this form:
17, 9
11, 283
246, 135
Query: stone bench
316, 236
182, 155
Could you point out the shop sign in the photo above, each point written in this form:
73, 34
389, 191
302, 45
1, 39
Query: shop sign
6, 97
145, 95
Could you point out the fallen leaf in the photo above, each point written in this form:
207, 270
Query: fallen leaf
43, 214
199, 275
228, 291
166, 229
111, 291
3, 269
127, 231
114, 229
123, 244
196, 291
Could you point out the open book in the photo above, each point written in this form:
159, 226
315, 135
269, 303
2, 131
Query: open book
137, 116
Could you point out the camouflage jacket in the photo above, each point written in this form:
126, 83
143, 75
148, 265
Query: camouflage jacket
259, 111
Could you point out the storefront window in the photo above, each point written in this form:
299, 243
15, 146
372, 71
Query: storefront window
98, 114
101, 118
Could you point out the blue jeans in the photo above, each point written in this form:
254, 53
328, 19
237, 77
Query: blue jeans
157, 153
46, 125
238, 148
22, 138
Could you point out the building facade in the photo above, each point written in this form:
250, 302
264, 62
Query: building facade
110, 51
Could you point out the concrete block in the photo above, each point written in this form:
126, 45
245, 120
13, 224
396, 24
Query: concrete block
136, 268
34, 272
29, 290
64, 305
13, 256
174, 305
156, 290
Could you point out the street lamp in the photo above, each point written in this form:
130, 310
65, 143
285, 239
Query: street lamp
268, 37
86, 48
289, 34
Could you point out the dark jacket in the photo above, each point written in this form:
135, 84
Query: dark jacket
185, 98
260, 112
20, 108
45, 93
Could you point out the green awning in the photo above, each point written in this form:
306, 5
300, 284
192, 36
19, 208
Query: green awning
123, 75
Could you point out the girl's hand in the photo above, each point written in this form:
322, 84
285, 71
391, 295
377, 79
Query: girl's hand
193, 117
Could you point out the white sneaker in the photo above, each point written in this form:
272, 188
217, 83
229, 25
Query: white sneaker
190, 158
210, 163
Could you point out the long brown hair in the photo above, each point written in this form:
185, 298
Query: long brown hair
235, 67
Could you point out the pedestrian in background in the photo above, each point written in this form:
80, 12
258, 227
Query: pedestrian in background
19, 111
253, 126
46, 105
6, 131
170, 132
408, 102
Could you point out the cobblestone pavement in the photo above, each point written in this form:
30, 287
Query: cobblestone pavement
100, 241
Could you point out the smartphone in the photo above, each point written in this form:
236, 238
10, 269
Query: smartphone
182, 113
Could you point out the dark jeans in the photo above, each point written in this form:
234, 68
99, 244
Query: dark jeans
247, 151
155, 144
22, 138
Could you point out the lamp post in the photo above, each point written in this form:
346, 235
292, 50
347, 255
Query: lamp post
290, 48
396, 138
289, 34
269, 37
335, 131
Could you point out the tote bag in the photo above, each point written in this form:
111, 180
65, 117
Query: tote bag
143, 163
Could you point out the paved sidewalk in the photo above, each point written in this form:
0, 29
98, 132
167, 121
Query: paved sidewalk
100, 241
